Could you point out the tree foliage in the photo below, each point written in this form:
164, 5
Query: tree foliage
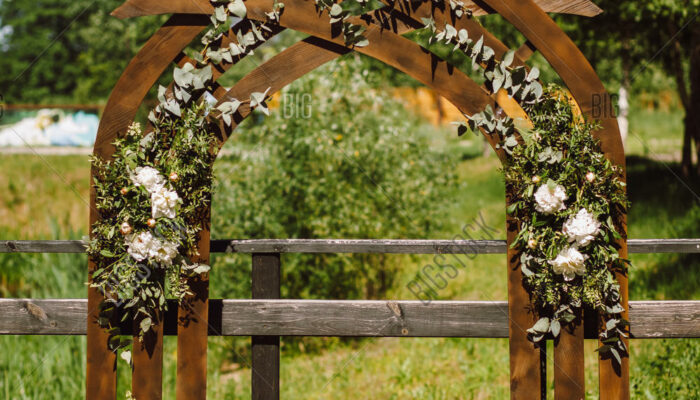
65, 50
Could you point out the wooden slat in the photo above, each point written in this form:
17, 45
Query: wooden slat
359, 246
649, 319
147, 362
193, 326
265, 372
569, 371
525, 372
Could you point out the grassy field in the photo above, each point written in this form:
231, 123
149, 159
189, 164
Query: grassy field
44, 198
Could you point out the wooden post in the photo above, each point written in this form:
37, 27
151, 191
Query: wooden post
569, 370
101, 367
526, 377
147, 357
192, 328
266, 349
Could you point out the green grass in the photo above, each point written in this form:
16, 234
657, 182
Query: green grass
39, 202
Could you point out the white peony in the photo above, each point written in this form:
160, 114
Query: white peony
164, 203
140, 245
550, 200
149, 178
581, 228
569, 262
145, 246
164, 252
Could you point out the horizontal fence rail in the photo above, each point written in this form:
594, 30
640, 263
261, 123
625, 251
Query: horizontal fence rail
388, 246
361, 318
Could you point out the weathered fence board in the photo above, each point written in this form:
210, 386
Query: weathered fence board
389, 246
375, 318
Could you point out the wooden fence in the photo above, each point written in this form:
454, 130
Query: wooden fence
266, 317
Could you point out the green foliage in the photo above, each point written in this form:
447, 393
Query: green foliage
559, 151
66, 50
180, 149
590, 183
337, 159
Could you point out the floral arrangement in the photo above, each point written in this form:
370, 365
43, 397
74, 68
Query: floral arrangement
568, 200
569, 197
150, 198
566, 197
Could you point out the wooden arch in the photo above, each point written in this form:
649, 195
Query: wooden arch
192, 16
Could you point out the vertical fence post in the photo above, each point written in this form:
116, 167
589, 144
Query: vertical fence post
266, 349
147, 358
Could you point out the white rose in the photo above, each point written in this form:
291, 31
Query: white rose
164, 203
164, 252
149, 178
569, 262
139, 246
549, 200
581, 228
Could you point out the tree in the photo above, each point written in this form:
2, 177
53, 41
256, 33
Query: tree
65, 50
638, 34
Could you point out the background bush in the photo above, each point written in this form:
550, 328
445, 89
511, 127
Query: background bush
337, 159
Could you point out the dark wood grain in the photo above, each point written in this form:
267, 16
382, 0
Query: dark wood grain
649, 319
147, 361
525, 372
265, 374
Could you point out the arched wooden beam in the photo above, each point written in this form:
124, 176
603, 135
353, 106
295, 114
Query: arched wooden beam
593, 100
142, 73
550, 60
399, 16
137, 79
137, 8
385, 46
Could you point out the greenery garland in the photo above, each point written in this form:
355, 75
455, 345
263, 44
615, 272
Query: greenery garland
570, 196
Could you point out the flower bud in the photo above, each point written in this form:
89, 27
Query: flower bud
125, 228
536, 179
124, 191
174, 177
151, 223
531, 244
590, 177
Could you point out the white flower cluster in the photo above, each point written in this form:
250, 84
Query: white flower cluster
144, 245
164, 203
550, 199
569, 262
580, 229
